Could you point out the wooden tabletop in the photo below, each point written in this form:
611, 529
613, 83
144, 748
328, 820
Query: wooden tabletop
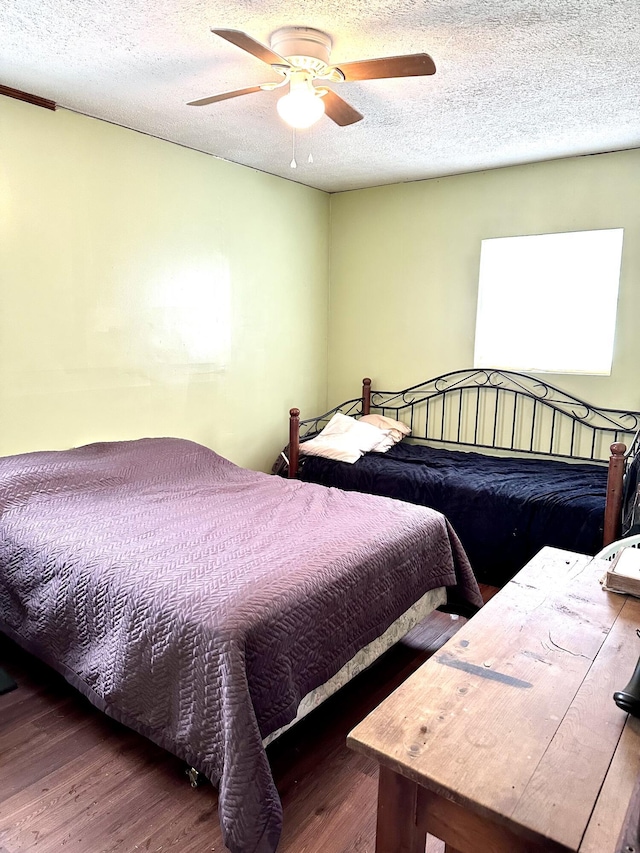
514, 718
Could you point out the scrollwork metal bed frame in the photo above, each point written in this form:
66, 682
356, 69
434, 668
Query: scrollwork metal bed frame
504, 412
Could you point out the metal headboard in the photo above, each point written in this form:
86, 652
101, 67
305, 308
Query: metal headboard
501, 411
508, 411
312, 426
498, 410
504, 410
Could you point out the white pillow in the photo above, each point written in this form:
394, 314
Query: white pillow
385, 443
367, 434
396, 429
338, 447
345, 439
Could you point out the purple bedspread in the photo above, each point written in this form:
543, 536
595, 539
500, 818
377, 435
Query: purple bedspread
198, 602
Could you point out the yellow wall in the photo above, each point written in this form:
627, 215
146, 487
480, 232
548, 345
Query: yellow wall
405, 261
151, 290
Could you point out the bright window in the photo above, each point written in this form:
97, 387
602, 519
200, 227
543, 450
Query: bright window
548, 302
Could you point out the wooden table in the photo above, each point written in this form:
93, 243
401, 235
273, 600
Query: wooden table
508, 739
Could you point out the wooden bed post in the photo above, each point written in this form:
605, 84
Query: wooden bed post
294, 442
613, 505
366, 396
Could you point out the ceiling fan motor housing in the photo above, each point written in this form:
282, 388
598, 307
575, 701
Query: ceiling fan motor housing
304, 47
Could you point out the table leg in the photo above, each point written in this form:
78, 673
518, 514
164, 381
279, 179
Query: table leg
397, 829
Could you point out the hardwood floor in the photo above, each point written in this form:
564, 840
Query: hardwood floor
71, 779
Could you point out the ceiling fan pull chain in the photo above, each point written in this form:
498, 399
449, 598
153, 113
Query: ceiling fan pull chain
310, 157
293, 163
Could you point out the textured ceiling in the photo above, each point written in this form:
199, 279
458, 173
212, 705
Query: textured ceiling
517, 81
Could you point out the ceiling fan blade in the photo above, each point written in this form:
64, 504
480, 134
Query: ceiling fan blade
245, 42
223, 96
411, 65
339, 110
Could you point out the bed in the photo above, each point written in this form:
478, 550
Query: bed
198, 602
513, 462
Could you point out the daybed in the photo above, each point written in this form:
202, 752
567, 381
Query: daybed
542, 479
198, 602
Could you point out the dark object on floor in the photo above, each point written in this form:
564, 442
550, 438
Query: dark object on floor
456, 604
629, 697
6, 682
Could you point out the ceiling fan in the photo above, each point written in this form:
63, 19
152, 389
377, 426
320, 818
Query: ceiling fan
301, 56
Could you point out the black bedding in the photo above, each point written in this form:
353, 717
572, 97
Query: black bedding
504, 510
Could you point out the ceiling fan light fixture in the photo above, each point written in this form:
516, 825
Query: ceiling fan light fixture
303, 105
300, 110
301, 55
303, 47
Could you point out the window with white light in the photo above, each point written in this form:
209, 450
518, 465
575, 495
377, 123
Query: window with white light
548, 302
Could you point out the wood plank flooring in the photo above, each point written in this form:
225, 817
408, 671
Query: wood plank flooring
71, 779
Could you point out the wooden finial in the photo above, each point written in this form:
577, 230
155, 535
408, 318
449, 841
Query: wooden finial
294, 442
366, 396
613, 505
